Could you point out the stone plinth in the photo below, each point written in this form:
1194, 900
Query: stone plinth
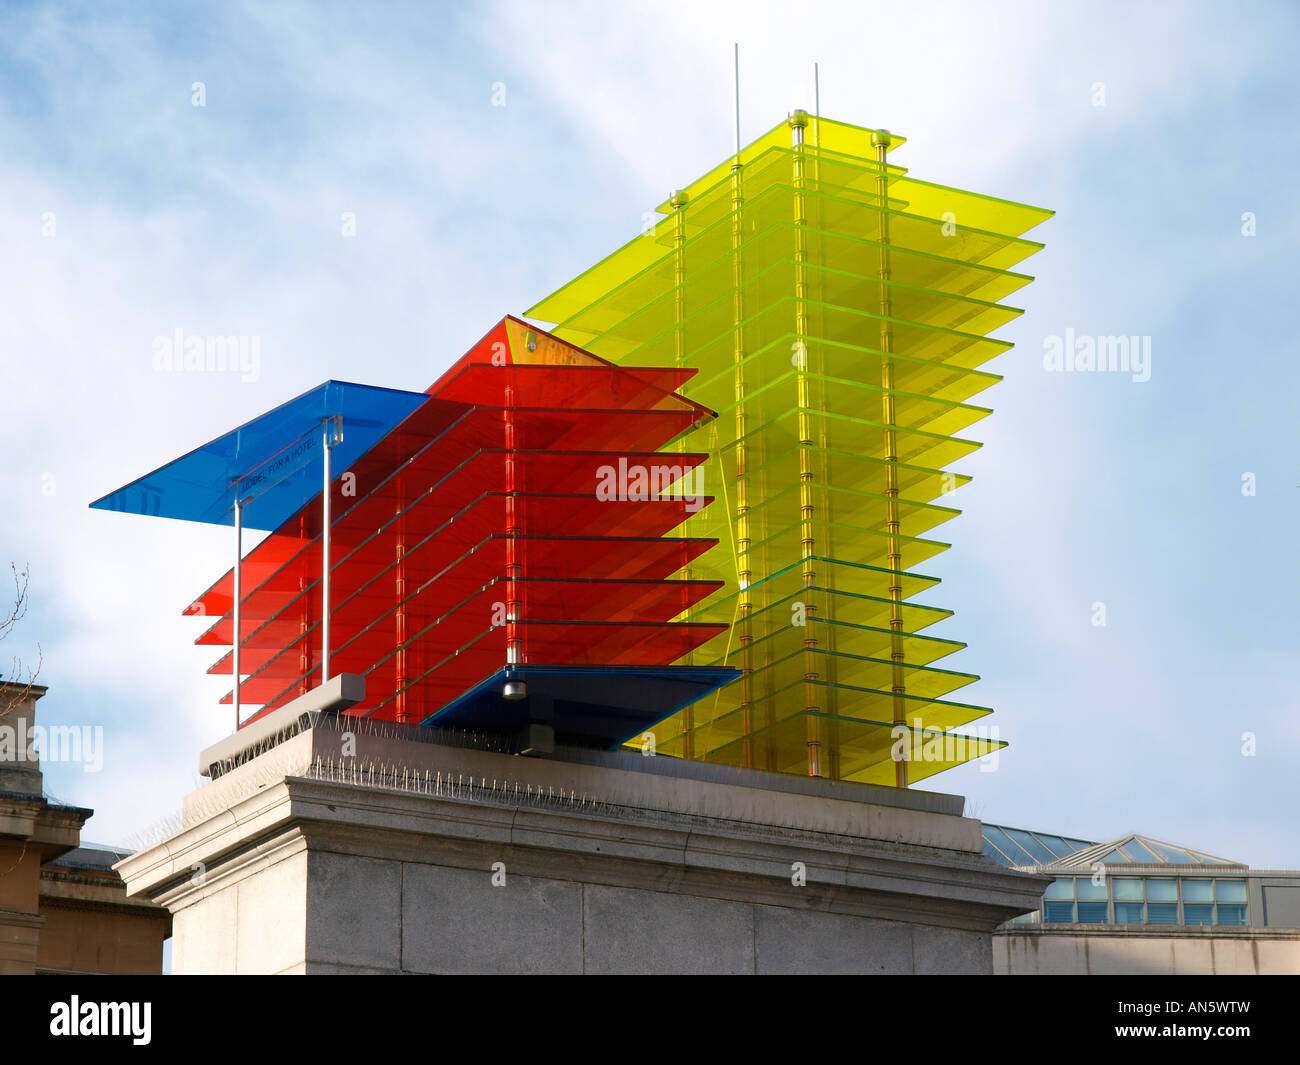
383, 852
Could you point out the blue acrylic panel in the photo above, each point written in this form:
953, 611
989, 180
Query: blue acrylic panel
279, 454
588, 706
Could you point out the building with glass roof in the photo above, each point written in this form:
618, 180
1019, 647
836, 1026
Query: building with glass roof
1159, 884
1135, 888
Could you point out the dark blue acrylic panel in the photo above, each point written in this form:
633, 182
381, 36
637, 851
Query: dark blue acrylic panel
281, 450
588, 706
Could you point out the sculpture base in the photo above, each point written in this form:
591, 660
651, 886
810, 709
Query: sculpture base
382, 852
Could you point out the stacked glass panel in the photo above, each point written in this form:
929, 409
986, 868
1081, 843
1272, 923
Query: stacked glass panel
836, 312
520, 516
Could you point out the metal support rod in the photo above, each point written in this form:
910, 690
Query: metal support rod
239, 591
399, 659
514, 528
678, 199
736, 66
881, 141
744, 561
325, 508
742, 489
807, 504
304, 619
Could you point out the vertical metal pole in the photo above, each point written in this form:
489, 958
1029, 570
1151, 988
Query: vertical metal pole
399, 660
807, 539
304, 617
678, 199
514, 562
239, 592
817, 93
744, 573
736, 66
881, 141
744, 560
325, 555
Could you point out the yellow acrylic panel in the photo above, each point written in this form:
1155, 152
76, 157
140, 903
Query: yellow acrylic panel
837, 311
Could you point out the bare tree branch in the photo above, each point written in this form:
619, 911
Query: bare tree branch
20, 689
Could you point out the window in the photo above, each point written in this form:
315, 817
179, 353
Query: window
1174, 854
1230, 890
1060, 888
1144, 856
1055, 844
999, 839
1128, 912
1029, 843
1232, 915
1092, 913
1086, 889
1121, 900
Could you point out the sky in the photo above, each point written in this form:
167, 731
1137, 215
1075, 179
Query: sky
195, 168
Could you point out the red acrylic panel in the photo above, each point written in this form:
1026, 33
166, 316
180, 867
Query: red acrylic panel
481, 527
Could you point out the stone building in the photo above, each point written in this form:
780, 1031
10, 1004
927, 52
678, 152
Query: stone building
1139, 905
62, 907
